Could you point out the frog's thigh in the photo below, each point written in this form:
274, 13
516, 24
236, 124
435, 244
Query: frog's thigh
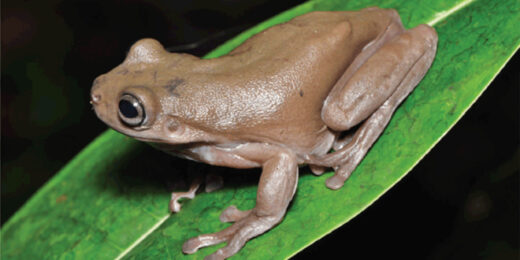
375, 80
351, 155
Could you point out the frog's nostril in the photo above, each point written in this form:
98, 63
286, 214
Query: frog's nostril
95, 98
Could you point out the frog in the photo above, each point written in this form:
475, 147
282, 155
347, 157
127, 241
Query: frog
317, 90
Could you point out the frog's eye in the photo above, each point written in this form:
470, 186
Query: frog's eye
131, 111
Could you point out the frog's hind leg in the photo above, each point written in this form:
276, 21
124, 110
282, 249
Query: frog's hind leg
343, 90
396, 69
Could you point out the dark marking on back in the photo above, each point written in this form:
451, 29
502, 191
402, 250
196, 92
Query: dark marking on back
172, 85
301, 93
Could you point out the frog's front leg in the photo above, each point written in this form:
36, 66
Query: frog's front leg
275, 190
373, 93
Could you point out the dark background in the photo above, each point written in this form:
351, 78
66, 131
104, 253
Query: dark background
461, 201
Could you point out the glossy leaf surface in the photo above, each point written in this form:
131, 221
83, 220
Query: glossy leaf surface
111, 200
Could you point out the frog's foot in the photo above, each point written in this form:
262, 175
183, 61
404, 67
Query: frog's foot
275, 191
247, 227
174, 205
415, 47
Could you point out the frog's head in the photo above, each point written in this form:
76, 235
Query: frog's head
138, 98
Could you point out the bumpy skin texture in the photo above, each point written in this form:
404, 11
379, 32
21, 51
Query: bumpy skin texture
282, 98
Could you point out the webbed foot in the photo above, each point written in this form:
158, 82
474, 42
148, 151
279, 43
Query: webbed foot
248, 225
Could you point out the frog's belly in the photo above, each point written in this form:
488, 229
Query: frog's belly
306, 139
226, 155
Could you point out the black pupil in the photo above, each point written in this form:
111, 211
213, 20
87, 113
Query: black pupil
128, 109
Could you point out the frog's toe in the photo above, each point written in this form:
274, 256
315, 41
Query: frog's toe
215, 256
334, 182
193, 244
227, 251
317, 170
340, 176
233, 214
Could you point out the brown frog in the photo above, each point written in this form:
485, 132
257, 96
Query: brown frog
285, 97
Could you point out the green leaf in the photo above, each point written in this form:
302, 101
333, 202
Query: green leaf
110, 201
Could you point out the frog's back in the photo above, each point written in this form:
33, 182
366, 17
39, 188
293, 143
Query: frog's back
272, 87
